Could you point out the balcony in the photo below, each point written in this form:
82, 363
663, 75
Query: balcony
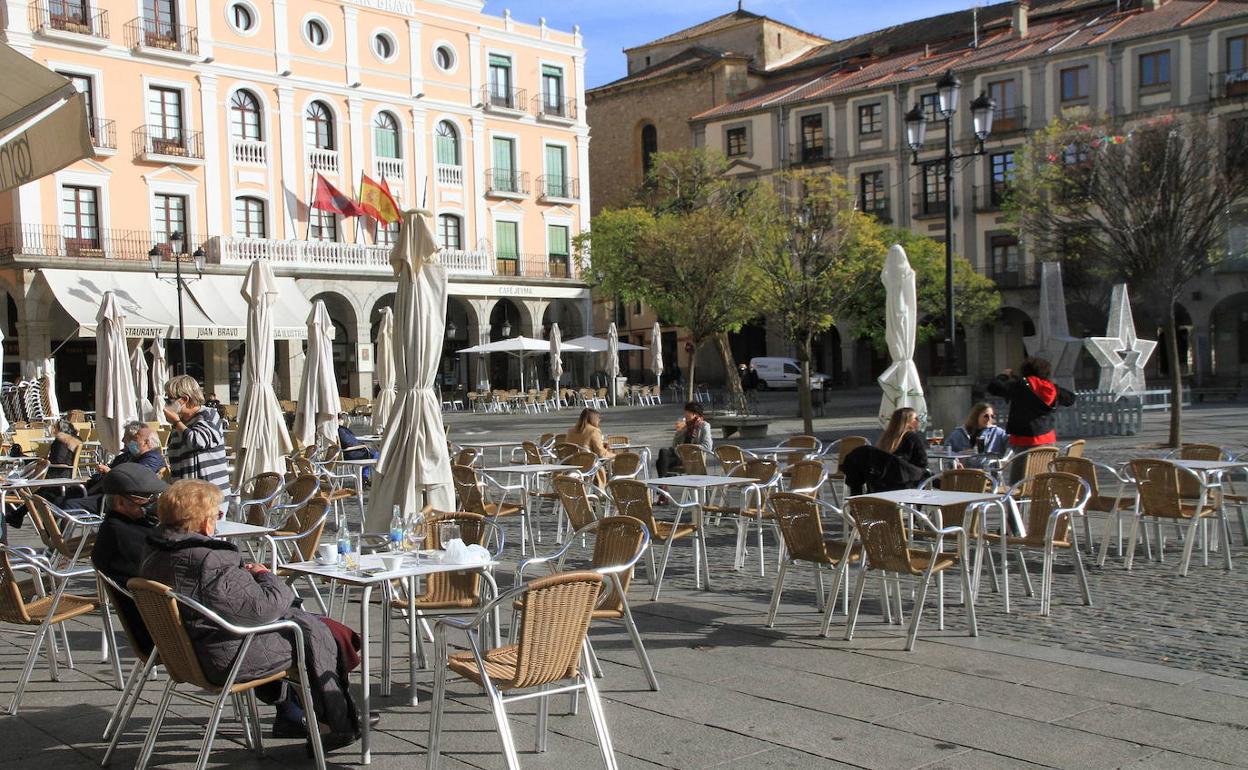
388, 168
55, 241
1006, 120
506, 183
103, 133
322, 160
1015, 276
157, 144
506, 101
249, 152
534, 265
162, 39
930, 206
562, 111
449, 176
74, 22
801, 153
558, 189
1229, 84
990, 197
878, 208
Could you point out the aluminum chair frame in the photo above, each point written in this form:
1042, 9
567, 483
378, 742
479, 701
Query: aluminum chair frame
824, 601
1194, 523
698, 538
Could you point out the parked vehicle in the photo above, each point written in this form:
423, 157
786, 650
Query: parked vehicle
776, 372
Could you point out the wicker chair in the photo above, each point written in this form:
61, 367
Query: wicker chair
619, 542
692, 459
730, 457
843, 447
1221, 494
576, 501
67, 537
297, 537
626, 465
257, 496
752, 508
1031, 463
1113, 506
798, 517
563, 450
553, 624
881, 527
1159, 493
805, 442
467, 456
633, 498
147, 659
1074, 448
1054, 500
471, 487
807, 477
616, 440
161, 610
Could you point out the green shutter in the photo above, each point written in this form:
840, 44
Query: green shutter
502, 154
385, 143
551, 72
448, 154
557, 236
506, 242
499, 61
556, 179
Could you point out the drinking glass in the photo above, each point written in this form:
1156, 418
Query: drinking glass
448, 531
351, 558
414, 536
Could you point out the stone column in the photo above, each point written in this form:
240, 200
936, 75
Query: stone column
478, 334
289, 366
217, 369
34, 343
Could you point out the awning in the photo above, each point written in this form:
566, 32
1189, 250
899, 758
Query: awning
43, 121
212, 306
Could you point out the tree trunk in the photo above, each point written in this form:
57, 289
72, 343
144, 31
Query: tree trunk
1176, 377
693, 365
732, 382
803, 386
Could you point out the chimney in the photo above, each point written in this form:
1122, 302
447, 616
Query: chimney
1018, 25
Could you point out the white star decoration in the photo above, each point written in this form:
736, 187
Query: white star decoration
1121, 354
1052, 340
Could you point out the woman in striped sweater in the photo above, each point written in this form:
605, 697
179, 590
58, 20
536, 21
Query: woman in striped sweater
197, 444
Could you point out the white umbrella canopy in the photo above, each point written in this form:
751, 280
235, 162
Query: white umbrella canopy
900, 381
114, 389
261, 439
319, 404
613, 358
556, 356
656, 353
138, 368
160, 374
384, 372
48, 380
414, 468
522, 347
589, 344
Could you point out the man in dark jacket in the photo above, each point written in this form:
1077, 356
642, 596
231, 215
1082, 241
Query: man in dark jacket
1033, 398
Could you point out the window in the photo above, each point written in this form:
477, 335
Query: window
1074, 84
504, 175
557, 182
242, 18
444, 58
447, 143
870, 117
812, 137
160, 18
316, 33
164, 109
507, 247
649, 146
930, 105
933, 194
169, 217
1007, 116
1154, 69
387, 233
1002, 168
245, 116
737, 141
249, 219
384, 47
63, 14
319, 126
1236, 54
85, 85
552, 91
1075, 155
872, 197
80, 218
557, 250
500, 82
1003, 251
386, 142
450, 232
322, 225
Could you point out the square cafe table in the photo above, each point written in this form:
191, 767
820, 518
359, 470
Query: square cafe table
369, 575
484, 445
698, 486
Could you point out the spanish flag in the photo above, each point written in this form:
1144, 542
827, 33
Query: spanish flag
376, 200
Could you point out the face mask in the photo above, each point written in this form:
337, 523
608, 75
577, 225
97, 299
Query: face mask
133, 448
149, 510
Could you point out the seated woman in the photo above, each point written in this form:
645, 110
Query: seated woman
351, 446
897, 461
65, 443
980, 434
693, 429
588, 435
185, 556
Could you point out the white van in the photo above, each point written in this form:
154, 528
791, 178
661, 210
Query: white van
774, 372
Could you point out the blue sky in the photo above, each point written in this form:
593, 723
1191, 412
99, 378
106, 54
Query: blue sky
609, 26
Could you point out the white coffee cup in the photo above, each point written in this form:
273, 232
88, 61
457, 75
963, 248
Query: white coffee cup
392, 561
327, 553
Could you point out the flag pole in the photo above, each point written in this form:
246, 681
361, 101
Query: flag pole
307, 233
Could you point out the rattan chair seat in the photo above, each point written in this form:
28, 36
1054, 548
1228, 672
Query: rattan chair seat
500, 665
506, 509
665, 531
462, 603
1033, 541
920, 557
341, 494
70, 606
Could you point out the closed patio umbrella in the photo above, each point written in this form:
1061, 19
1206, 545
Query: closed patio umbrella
114, 389
900, 381
414, 468
656, 354
385, 370
160, 374
556, 357
261, 439
613, 358
48, 380
317, 413
138, 368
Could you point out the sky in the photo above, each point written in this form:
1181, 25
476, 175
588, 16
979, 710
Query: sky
610, 26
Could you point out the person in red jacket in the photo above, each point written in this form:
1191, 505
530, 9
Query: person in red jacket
1033, 398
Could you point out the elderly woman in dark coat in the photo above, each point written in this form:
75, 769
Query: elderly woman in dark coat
185, 556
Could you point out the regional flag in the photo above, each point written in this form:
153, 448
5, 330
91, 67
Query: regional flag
326, 197
376, 200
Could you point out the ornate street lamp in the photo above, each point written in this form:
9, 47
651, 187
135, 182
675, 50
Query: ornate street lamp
175, 252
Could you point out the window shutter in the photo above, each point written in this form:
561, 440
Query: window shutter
557, 235
505, 240
499, 61
551, 72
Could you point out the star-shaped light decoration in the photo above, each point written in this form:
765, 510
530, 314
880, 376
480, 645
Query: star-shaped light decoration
1121, 354
1052, 340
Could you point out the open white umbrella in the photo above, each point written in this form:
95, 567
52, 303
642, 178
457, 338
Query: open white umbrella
656, 353
384, 372
900, 381
114, 389
261, 439
589, 344
160, 374
319, 404
521, 347
138, 368
48, 380
613, 359
4, 420
414, 468
556, 357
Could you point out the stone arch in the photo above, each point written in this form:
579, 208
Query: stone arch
567, 313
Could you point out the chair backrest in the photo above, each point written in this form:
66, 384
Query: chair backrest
260, 487
12, 605
1050, 491
532, 454
1074, 448
1079, 466
47, 524
730, 457
846, 445
468, 489
808, 476
467, 456
563, 450
455, 588
120, 598
759, 469
1158, 484
1210, 452
163, 618
692, 459
575, 499
963, 480
1035, 462
626, 465
882, 529
618, 440
632, 498
582, 459
800, 524
308, 519
803, 442
617, 540
554, 617
34, 469
546, 440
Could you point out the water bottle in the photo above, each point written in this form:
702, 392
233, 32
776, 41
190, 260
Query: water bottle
344, 538
396, 529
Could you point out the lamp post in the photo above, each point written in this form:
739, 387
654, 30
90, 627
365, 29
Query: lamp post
175, 251
948, 89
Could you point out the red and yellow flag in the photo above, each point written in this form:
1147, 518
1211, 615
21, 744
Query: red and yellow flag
376, 200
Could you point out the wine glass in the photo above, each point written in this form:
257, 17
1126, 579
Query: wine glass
414, 536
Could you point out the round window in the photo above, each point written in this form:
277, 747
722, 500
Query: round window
242, 17
383, 46
316, 32
444, 57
